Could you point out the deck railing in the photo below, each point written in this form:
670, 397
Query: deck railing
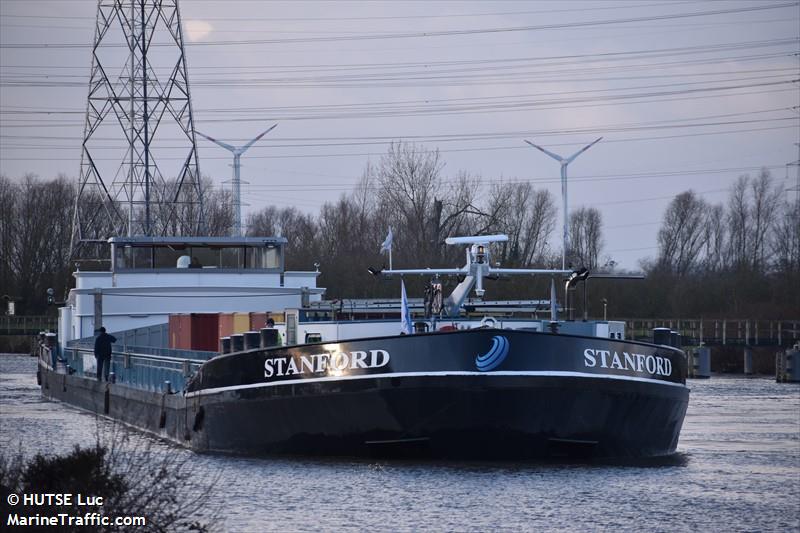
720, 331
142, 367
27, 324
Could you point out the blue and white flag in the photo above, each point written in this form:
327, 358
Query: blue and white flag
387, 243
405, 315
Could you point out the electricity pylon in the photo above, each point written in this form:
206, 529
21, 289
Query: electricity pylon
237, 152
564, 163
139, 170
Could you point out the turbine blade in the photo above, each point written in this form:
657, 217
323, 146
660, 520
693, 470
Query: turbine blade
571, 158
551, 154
213, 140
248, 145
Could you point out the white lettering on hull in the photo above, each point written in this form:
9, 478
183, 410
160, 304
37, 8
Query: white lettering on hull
634, 362
320, 363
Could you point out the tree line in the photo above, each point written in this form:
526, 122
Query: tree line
738, 258
36, 230
407, 191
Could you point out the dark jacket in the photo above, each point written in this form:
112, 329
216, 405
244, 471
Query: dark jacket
102, 345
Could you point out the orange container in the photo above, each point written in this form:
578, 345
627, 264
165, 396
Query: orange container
279, 318
225, 325
180, 332
241, 322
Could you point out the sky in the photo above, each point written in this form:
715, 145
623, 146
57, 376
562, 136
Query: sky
686, 95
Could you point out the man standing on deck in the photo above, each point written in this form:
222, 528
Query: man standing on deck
271, 325
102, 352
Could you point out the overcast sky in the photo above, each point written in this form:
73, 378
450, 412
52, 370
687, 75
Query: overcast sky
686, 95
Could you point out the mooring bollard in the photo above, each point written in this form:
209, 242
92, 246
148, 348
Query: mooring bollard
748, 361
237, 342
793, 364
252, 339
780, 367
787, 365
702, 363
225, 345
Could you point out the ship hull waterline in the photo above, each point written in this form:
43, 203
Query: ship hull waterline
479, 394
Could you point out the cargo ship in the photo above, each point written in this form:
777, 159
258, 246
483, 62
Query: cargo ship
197, 362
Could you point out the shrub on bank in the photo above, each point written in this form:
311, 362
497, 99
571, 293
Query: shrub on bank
145, 486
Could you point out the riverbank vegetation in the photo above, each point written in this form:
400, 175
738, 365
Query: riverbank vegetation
118, 479
739, 258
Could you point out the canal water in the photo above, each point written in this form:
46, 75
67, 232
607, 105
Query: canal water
737, 469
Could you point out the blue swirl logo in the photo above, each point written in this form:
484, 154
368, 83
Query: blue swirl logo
495, 356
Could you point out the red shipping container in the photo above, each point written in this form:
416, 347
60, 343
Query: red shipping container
205, 327
258, 321
180, 332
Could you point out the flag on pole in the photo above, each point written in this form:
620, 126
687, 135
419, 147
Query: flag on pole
387, 243
405, 315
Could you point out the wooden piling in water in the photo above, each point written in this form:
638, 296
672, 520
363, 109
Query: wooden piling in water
787, 365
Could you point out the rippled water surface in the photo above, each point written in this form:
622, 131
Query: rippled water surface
738, 469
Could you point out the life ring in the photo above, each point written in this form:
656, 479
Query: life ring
490, 322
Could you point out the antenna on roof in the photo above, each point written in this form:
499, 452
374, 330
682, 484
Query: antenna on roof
564, 163
237, 152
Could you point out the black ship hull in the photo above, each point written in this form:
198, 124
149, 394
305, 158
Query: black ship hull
465, 417
476, 394
485, 394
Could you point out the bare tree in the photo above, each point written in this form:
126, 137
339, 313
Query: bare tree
409, 180
586, 237
219, 213
715, 235
175, 210
786, 242
682, 234
527, 216
34, 237
455, 213
738, 222
7, 233
300, 230
264, 223
764, 205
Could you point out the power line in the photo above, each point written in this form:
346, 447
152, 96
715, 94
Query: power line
452, 77
393, 17
404, 104
378, 154
587, 57
734, 171
389, 110
451, 137
445, 33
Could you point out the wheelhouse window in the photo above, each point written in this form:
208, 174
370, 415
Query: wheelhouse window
167, 256
267, 257
204, 257
189, 255
133, 257
232, 257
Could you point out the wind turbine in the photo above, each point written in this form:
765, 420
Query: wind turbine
564, 163
237, 183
